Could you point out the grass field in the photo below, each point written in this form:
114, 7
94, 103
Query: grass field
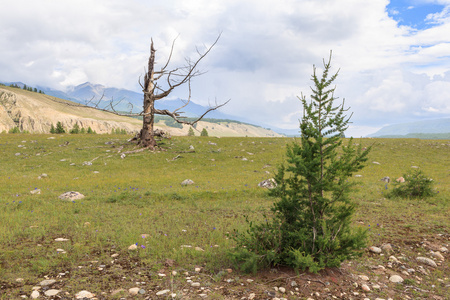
139, 200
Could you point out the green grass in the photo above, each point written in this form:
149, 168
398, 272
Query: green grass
141, 194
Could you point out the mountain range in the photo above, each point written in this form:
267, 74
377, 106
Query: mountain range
436, 128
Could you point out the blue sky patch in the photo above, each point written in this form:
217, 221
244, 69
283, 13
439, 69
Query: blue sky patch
413, 13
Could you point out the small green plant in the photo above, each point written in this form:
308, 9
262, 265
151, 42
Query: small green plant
90, 131
191, 132
204, 132
52, 129
75, 129
83, 131
14, 130
59, 128
416, 185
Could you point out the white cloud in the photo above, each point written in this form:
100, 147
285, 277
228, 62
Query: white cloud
262, 62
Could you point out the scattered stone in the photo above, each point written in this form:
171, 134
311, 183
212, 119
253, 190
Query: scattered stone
35, 295
70, 196
376, 287
191, 147
51, 292
386, 179
84, 294
134, 291
47, 282
251, 296
86, 224
414, 167
35, 192
212, 144
115, 292
197, 270
396, 279
87, 163
443, 249
358, 175
364, 277
293, 283
163, 292
229, 270
438, 255
195, 284
375, 249
61, 240
187, 182
400, 179
365, 288
142, 291
19, 280
59, 250
199, 249
393, 259
161, 275
268, 183
426, 261
376, 163
282, 290
17, 154
387, 248
250, 280
122, 156
51, 138
132, 247
115, 255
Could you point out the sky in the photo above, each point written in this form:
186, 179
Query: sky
393, 57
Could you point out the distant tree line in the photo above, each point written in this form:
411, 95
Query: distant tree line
76, 129
26, 88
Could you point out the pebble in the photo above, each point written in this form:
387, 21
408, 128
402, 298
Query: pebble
375, 249
199, 249
187, 182
84, 294
282, 290
251, 296
395, 279
163, 292
364, 277
35, 295
134, 291
443, 249
197, 270
174, 273
115, 255
376, 287
365, 288
132, 247
61, 240
438, 255
387, 248
47, 282
19, 280
142, 291
51, 292
35, 192
194, 284
426, 261
161, 275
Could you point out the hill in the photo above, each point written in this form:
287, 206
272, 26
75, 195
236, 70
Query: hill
430, 129
35, 113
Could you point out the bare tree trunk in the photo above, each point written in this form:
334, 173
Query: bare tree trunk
147, 137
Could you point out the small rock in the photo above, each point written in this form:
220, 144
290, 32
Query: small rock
19, 280
365, 288
400, 179
438, 255
161, 275
35, 192
396, 279
414, 167
142, 291
115, 292
51, 292
87, 163
134, 291
443, 249
70, 196
187, 182
61, 250
195, 284
426, 261
191, 147
387, 248
393, 259
122, 156
197, 270
17, 154
132, 247
163, 292
376, 163
375, 249
358, 176
268, 183
251, 296
386, 179
364, 277
229, 270
61, 240
47, 282
376, 287
203, 295
115, 255
199, 249
35, 295
282, 290
174, 273
84, 294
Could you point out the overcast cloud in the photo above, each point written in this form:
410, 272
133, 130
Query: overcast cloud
389, 72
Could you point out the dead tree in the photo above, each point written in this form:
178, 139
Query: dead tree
157, 85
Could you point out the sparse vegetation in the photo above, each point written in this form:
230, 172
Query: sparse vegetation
204, 132
191, 132
120, 207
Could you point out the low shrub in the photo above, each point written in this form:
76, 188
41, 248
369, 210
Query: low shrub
416, 185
